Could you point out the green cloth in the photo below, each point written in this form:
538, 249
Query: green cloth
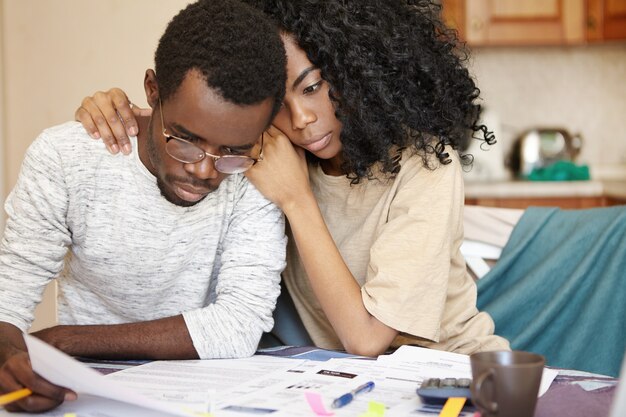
559, 287
560, 171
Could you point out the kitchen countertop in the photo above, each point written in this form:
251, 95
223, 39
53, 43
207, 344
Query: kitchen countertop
537, 189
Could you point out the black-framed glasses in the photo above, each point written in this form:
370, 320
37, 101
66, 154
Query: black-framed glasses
186, 152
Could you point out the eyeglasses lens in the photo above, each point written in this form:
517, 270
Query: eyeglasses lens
233, 164
184, 151
189, 153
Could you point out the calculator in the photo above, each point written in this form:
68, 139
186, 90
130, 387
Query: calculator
436, 391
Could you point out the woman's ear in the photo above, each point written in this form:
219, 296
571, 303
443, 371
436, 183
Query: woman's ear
152, 88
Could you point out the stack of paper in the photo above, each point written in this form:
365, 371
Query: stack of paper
261, 384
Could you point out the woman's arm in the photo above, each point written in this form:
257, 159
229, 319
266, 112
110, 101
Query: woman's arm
283, 178
110, 116
334, 285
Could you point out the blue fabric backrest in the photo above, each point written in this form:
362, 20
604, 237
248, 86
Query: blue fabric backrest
559, 287
288, 328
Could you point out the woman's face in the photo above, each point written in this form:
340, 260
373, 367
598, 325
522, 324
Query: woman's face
308, 115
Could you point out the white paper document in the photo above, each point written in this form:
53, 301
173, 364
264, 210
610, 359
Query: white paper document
276, 386
62, 370
431, 363
283, 394
155, 389
202, 384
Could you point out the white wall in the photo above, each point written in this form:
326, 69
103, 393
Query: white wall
581, 88
58, 51
2, 161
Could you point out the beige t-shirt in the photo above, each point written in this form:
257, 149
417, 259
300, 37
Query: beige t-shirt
400, 237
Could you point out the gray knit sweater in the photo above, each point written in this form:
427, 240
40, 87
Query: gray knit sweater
122, 253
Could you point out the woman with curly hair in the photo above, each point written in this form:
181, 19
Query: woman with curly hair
363, 159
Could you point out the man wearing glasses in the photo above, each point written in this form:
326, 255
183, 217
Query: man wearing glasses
169, 253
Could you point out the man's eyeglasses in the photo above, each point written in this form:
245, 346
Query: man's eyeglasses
186, 152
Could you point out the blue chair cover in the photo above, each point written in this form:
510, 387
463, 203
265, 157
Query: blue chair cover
559, 287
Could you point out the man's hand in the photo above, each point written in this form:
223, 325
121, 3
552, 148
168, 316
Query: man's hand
16, 372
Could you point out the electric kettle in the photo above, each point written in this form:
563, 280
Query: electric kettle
541, 147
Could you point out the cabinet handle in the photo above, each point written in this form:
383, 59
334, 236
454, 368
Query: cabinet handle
591, 23
477, 24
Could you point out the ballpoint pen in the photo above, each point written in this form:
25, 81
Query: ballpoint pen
14, 396
347, 398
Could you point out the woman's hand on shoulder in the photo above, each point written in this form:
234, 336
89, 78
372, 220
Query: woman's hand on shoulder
110, 116
282, 175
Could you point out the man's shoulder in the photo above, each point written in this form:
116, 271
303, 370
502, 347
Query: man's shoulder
67, 138
67, 150
67, 128
246, 192
242, 196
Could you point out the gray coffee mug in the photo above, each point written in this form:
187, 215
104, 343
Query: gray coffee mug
506, 383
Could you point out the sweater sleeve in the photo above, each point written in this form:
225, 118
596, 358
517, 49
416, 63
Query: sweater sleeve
248, 284
36, 235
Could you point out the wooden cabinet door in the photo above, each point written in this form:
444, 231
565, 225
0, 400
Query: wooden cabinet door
527, 22
562, 202
453, 14
606, 20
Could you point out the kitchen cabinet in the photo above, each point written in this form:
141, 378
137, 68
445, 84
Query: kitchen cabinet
566, 194
606, 20
562, 202
536, 22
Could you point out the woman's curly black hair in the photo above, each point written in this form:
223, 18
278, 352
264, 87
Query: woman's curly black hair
396, 73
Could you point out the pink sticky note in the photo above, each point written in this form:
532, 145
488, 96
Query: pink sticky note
316, 404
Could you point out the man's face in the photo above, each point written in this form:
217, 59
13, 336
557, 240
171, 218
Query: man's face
199, 115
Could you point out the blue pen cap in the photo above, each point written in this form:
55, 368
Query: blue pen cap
367, 387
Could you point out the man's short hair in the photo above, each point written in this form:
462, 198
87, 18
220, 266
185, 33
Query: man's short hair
235, 47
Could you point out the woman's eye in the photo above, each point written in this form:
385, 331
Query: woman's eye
312, 88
